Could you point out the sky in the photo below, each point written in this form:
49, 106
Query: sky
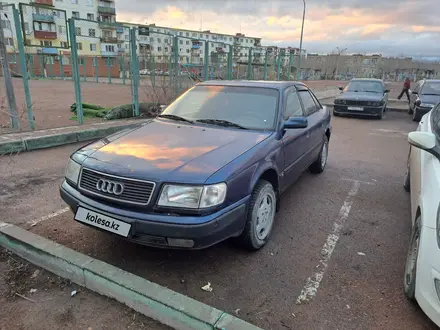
388, 27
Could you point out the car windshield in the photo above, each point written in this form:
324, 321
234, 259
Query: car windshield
431, 88
234, 106
364, 86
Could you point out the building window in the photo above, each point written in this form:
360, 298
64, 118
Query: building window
46, 43
166, 49
159, 49
10, 42
26, 27
180, 33
94, 61
60, 29
181, 42
81, 61
90, 3
159, 58
78, 31
93, 47
187, 34
187, 42
107, 34
66, 59
90, 17
79, 45
109, 48
230, 38
127, 38
109, 61
158, 40
75, 2
64, 44
92, 33
6, 24
187, 51
75, 14
207, 36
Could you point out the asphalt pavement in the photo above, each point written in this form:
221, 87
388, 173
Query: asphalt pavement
335, 259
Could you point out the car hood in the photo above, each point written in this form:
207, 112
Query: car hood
360, 96
430, 99
169, 151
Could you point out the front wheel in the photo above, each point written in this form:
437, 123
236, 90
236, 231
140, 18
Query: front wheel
410, 110
416, 116
411, 261
260, 216
320, 163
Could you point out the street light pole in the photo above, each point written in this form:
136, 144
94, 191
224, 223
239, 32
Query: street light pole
301, 41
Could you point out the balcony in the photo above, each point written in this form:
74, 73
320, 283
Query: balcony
195, 46
109, 40
43, 18
45, 35
107, 25
107, 10
120, 29
49, 51
44, 2
109, 54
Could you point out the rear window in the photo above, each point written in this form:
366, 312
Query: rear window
250, 107
431, 88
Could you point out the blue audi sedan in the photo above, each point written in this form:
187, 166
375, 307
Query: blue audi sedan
212, 166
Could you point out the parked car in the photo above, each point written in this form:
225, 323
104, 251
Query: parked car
144, 72
210, 167
424, 96
362, 97
422, 268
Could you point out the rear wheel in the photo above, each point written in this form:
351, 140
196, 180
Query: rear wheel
260, 216
416, 116
320, 163
407, 180
411, 261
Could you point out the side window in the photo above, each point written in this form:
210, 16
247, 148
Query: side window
318, 104
435, 117
307, 100
417, 89
293, 105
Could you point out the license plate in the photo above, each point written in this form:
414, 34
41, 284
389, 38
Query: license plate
356, 108
102, 221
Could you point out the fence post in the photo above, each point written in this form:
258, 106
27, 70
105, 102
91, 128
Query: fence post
123, 69
205, 73
24, 71
85, 68
40, 61
61, 66
265, 66
279, 67
50, 67
249, 68
31, 65
290, 66
97, 68
75, 72
134, 72
153, 71
109, 70
230, 64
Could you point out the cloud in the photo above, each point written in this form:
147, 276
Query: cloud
391, 27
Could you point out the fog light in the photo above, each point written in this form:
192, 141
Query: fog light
437, 287
180, 242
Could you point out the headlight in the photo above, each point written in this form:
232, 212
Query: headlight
72, 171
426, 105
192, 197
339, 101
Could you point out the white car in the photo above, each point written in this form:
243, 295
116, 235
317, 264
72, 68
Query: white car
422, 268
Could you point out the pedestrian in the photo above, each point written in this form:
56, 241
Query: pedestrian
405, 90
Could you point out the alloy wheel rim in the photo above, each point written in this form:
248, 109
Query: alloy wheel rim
324, 155
411, 260
265, 215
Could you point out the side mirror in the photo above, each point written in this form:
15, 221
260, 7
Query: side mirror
423, 140
295, 122
386, 91
341, 88
414, 92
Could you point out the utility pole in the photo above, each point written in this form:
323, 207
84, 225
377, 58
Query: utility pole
10, 95
340, 51
301, 41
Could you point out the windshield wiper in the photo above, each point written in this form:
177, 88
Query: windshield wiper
220, 122
174, 117
371, 92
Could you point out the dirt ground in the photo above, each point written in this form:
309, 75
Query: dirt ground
52, 99
32, 298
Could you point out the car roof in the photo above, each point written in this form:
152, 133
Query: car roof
252, 83
432, 80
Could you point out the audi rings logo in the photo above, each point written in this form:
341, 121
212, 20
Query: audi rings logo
110, 187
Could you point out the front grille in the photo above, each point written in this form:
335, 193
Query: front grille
136, 192
356, 103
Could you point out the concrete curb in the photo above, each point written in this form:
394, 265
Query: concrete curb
388, 108
159, 303
54, 140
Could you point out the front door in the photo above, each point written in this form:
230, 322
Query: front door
294, 141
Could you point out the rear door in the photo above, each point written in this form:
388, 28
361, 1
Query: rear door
316, 129
294, 140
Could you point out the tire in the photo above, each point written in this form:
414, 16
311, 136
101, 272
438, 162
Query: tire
380, 117
415, 116
335, 114
407, 181
410, 110
320, 163
260, 216
409, 279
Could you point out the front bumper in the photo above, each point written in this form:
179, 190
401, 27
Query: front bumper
422, 111
162, 230
428, 271
367, 110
